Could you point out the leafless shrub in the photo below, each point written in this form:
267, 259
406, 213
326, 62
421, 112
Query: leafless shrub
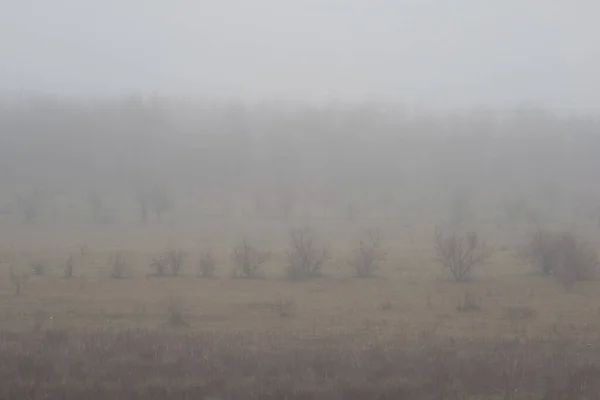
160, 265
469, 303
37, 269
176, 317
207, 265
519, 313
68, 269
368, 255
176, 258
305, 256
119, 268
18, 279
460, 254
563, 255
170, 263
284, 307
248, 261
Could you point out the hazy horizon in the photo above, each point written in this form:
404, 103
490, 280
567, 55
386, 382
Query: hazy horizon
425, 53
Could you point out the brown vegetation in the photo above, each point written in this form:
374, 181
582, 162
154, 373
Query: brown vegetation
460, 254
160, 365
368, 255
305, 255
248, 261
563, 255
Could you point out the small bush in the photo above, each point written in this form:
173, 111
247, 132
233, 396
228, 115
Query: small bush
170, 263
38, 269
562, 255
469, 303
119, 269
460, 254
368, 255
160, 265
305, 256
206, 265
176, 258
248, 261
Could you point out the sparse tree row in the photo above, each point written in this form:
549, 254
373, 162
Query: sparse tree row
155, 149
558, 254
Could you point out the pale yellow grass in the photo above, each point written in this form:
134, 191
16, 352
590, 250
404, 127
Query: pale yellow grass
412, 296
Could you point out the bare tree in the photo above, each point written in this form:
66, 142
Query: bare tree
368, 255
176, 258
170, 263
563, 255
305, 256
248, 261
37, 268
160, 265
460, 254
206, 265
119, 268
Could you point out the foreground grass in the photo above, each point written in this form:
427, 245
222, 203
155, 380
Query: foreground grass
409, 333
145, 364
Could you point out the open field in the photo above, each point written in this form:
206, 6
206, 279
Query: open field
401, 334
102, 201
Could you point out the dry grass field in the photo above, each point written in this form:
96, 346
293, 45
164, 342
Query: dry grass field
409, 332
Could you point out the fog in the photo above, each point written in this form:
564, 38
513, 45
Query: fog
438, 54
318, 199
407, 110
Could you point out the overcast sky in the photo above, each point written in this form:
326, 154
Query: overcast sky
444, 53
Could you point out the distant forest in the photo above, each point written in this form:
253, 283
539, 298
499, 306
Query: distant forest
378, 152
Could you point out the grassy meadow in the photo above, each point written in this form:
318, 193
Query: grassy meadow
157, 250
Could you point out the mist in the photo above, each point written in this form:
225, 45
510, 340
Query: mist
417, 53
320, 199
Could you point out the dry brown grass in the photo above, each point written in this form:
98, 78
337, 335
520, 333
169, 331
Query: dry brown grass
398, 335
162, 365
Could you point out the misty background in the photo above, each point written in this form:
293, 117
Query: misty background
405, 109
443, 54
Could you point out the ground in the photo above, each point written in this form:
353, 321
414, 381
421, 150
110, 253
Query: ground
410, 300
